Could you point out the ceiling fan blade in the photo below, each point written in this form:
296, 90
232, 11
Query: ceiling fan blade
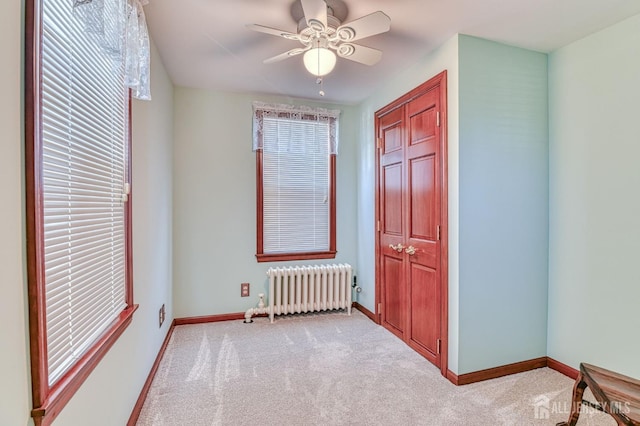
285, 55
315, 13
367, 26
357, 53
273, 31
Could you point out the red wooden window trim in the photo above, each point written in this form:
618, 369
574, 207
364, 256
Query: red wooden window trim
47, 400
331, 254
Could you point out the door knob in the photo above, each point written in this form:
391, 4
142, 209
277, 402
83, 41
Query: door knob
410, 250
397, 248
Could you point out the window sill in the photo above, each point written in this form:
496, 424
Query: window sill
281, 257
62, 392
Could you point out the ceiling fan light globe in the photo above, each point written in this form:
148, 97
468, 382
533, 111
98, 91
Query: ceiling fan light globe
319, 61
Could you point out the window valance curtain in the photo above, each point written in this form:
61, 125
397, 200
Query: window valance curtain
262, 111
125, 39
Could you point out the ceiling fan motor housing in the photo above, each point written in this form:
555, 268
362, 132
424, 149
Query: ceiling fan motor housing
333, 33
332, 23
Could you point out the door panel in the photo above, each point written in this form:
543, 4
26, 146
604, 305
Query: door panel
423, 219
425, 306
394, 295
392, 138
392, 199
392, 222
422, 198
423, 126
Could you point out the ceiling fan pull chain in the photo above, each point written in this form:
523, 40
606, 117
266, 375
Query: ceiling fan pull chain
320, 80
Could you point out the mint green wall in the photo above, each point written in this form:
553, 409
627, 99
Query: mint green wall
15, 387
215, 200
503, 204
594, 280
443, 58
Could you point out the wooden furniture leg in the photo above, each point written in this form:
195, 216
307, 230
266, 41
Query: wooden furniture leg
578, 390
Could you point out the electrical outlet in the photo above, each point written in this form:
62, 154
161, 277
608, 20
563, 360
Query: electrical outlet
244, 290
161, 316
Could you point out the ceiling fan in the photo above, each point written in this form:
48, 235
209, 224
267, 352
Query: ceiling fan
321, 32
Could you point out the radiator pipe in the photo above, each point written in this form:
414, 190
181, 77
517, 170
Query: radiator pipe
355, 285
261, 309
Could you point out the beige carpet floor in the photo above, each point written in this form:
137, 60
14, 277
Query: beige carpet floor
334, 369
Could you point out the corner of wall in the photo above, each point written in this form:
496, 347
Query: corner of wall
503, 165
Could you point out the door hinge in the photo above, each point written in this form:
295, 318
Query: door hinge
438, 118
378, 143
378, 226
438, 348
379, 308
438, 232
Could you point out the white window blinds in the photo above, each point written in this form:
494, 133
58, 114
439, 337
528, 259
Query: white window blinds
84, 145
296, 147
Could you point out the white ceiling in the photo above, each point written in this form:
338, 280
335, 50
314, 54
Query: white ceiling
205, 44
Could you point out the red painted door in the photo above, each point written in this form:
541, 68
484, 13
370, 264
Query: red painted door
410, 213
392, 220
421, 232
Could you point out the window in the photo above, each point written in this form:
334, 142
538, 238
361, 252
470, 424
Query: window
296, 197
78, 214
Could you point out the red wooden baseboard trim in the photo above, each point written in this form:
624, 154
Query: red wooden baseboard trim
562, 368
365, 311
452, 377
504, 370
135, 414
518, 367
209, 318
